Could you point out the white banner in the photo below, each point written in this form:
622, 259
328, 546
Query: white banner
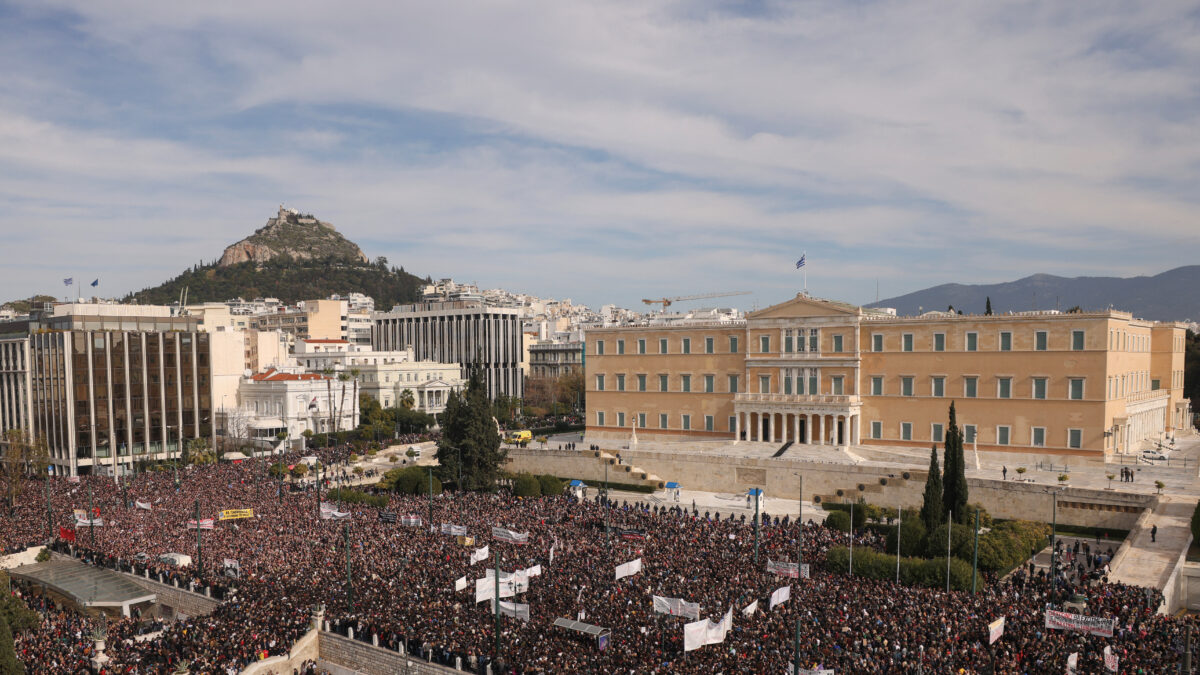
784, 569
145, 506
411, 521
706, 631
750, 609
94, 522
205, 524
780, 596
1110, 659
515, 610
995, 630
809, 671
676, 607
461, 583
518, 581
535, 571
510, 536
804, 575
1073, 663
330, 512
629, 569
456, 530
479, 555
1093, 625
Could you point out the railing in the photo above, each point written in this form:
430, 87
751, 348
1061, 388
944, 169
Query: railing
1139, 396
799, 399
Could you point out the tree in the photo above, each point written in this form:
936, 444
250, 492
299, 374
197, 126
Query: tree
988, 310
954, 495
354, 373
8, 650
469, 434
343, 378
21, 454
20, 618
407, 400
931, 505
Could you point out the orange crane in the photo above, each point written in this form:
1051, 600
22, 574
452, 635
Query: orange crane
667, 302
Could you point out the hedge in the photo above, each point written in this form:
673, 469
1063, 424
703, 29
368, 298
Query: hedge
411, 480
930, 573
624, 487
526, 485
838, 520
551, 485
358, 497
860, 512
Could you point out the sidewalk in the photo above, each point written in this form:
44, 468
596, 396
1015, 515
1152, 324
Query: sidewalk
1148, 563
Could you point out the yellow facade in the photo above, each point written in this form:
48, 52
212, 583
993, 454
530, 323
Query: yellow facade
820, 372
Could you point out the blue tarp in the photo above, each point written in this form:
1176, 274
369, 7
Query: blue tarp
576, 483
756, 491
672, 485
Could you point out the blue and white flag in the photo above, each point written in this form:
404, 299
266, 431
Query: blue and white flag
95, 283
68, 281
800, 262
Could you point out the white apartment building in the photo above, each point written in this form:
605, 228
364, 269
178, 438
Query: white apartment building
384, 376
289, 401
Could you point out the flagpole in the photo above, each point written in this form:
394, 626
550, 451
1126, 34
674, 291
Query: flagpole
804, 255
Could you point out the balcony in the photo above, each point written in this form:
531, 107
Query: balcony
800, 399
1150, 395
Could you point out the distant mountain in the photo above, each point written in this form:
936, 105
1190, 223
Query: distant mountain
23, 306
293, 257
1170, 296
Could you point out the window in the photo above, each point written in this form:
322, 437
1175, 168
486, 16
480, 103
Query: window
600, 349
1039, 387
1037, 437
837, 343
641, 420
787, 382
641, 382
1155, 385
939, 342
662, 420
733, 344
686, 422
876, 342
968, 433
906, 431
935, 432
972, 342
1074, 438
939, 386
1002, 435
1039, 340
733, 424
620, 347
787, 341
733, 384
970, 387
1077, 340
876, 429
687, 346
600, 419
685, 383
708, 345
709, 386
812, 340
621, 419
836, 382
764, 343
1005, 341
908, 342
906, 386
812, 380
1004, 387
641, 346
662, 383
1076, 388
708, 423
599, 383
877, 386
621, 382
662, 345
764, 384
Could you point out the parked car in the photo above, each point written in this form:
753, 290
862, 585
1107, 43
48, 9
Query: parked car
1153, 455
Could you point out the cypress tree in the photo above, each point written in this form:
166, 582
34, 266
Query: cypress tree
949, 485
954, 496
8, 650
931, 506
469, 431
988, 310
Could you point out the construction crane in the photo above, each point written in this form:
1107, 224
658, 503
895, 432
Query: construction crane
667, 302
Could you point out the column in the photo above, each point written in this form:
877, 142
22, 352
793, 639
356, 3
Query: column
737, 427
796, 428
808, 428
821, 429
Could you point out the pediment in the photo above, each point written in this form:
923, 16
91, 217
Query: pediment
805, 306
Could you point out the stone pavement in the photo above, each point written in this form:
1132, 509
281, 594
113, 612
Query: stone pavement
1148, 563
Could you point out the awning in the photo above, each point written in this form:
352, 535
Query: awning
86, 585
267, 423
673, 485
756, 491
576, 483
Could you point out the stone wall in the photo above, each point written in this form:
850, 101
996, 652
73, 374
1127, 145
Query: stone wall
876, 484
175, 601
305, 649
360, 657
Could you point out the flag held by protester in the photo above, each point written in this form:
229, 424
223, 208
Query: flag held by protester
479, 555
1110, 659
461, 583
750, 609
779, 596
706, 631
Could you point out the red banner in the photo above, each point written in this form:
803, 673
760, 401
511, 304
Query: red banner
66, 534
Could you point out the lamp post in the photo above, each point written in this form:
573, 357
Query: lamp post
91, 516
199, 556
349, 581
431, 496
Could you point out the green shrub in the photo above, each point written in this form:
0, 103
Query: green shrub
318, 440
930, 573
43, 555
551, 485
353, 457
299, 470
277, 470
838, 520
912, 536
526, 485
360, 497
861, 511
624, 487
962, 542
411, 480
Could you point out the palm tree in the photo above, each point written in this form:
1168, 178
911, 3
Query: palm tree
407, 400
355, 372
343, 378
328, 373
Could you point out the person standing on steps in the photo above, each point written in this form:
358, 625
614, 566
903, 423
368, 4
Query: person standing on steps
1154, 533
1004, 473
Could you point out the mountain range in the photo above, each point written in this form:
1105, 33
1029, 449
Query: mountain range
1169, 296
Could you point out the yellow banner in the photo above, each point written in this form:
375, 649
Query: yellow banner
234, 514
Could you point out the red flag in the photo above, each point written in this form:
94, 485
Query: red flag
66, 534
96, 512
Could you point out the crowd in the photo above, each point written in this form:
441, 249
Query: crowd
400, 586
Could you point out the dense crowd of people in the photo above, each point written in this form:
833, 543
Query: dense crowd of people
400, 586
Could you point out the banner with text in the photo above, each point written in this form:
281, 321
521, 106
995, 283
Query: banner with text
510, 536
1093, 625
676, 607
455, 530
515, 610
145, 506
234, 514
205, 524
995, 630
784, 569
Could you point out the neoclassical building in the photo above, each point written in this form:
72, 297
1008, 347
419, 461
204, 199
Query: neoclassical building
816, 371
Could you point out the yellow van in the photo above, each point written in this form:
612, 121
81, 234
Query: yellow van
523, 436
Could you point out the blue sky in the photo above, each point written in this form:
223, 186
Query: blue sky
606, 151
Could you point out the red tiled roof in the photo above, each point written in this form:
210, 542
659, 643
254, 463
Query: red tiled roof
272, 375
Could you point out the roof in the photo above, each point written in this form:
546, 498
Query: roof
672, 485
326, 341
576, 483
272, 375
89, 586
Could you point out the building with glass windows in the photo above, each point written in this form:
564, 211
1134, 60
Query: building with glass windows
815, 371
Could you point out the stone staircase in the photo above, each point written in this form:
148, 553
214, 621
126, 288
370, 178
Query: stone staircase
625, 473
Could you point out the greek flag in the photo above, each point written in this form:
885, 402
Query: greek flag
68, 281
800, 262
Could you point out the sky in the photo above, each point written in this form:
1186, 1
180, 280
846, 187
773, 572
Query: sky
605, 151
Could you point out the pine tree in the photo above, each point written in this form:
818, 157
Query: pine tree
988, 310
469, 432
931, 506
8, 650
954, 496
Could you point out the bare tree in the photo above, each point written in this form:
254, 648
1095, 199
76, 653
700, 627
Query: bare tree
22, 455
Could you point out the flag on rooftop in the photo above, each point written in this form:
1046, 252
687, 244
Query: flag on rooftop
68, 281
800, 262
